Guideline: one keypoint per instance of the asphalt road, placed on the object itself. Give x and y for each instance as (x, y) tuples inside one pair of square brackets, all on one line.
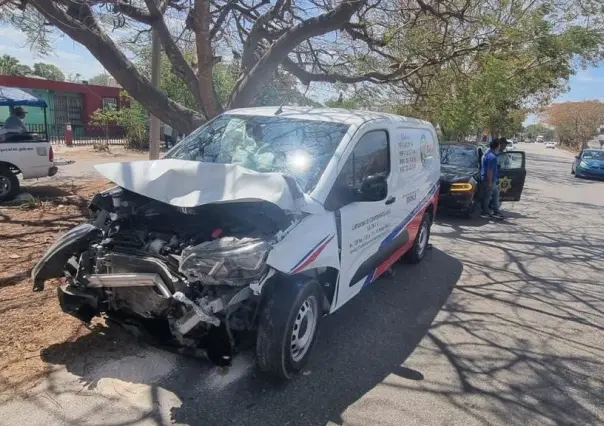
[(502, 324)]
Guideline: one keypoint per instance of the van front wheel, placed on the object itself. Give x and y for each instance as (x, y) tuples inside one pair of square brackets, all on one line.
[(9, 184), (288, 325)]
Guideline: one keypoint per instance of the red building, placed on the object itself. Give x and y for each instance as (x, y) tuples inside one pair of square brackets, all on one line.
[(67, 102)]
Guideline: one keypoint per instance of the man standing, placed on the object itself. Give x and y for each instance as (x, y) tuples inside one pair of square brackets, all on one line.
[(489, 173), (15, 122)]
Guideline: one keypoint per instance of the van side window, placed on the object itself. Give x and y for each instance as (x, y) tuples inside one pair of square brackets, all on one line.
[(370, 156)]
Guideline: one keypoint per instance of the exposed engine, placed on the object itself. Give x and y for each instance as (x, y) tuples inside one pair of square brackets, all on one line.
[(194, 273)]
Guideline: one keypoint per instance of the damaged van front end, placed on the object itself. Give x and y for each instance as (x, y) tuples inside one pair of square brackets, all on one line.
[(185, 271)]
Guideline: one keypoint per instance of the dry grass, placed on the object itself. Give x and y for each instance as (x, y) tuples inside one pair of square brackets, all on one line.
[(32, 321)]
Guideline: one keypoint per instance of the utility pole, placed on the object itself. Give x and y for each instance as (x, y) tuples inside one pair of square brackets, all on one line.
[(154, 126)]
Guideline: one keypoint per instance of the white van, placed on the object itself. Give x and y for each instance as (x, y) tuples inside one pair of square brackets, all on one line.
[(262, 220)]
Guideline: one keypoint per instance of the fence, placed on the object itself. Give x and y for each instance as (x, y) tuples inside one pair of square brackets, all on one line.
[(82, 134)]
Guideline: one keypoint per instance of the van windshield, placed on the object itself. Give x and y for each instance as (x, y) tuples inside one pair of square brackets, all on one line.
[(299, 148)]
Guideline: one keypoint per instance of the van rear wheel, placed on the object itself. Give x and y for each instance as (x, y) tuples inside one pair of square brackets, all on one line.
[(417, 252), (9, 184)]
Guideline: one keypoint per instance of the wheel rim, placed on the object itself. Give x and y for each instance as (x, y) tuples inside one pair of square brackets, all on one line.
[(422, 239), (304, 328), (4, 185)]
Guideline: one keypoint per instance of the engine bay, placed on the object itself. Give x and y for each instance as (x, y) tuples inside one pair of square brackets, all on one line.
[(195, 273)]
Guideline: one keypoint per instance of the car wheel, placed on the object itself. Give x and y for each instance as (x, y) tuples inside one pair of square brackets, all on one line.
[(470, 212), (288, 324), (9, 185), (420, 245)]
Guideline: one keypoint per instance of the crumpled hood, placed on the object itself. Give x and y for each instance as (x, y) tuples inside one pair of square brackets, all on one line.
[(450, 173), (182, 183)]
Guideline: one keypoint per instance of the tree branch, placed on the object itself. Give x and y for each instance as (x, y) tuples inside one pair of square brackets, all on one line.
[(174, 54), (249, 85), (205, 58), (78, 22)]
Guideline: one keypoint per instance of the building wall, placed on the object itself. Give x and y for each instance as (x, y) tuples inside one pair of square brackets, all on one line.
[(91, 96)]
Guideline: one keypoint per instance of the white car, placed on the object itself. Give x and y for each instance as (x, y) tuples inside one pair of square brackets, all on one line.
[(25, 154), (550, 145), (262, 220)]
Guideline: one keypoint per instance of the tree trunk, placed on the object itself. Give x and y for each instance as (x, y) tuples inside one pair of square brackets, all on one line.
[(80, 24), (205, 58)]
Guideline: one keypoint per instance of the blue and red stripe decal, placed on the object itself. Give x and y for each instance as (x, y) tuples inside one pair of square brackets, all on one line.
[(421, 206), (312, 255)]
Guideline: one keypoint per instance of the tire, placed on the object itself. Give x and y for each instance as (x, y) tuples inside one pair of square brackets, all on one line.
[(417, 252), (9, 185), (470, 212), (291, 308)]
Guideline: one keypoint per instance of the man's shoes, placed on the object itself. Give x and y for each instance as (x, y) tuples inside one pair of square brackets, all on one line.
[(485, 215), (498, 215)]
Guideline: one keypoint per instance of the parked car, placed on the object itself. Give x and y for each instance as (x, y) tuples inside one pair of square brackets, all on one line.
[(461, 187), (262, 220), (22, 153), (589, 163), (550, 145)]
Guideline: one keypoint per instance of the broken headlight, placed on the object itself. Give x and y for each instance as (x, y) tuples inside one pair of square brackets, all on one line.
[(228, 261)]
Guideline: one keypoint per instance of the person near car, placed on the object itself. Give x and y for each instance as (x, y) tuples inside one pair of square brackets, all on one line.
[(15, 122), (489, 174)]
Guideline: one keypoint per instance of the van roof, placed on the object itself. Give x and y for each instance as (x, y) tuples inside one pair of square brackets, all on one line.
[(336, 115)]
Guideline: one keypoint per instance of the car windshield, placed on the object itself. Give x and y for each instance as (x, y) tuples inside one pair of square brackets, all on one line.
[(299, 148), (459, 155), (593, 155)]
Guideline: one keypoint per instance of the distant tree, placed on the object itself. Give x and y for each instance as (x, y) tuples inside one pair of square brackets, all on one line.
[(534, 130), (100, 79), (48, 71), (9, 65), (576, 122), (74, 77)]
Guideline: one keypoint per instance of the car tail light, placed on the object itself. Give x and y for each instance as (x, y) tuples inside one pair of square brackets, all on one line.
[(461, 187), (51, 155)]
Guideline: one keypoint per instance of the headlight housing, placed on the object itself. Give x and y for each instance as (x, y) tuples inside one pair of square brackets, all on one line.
[(583, 164), (462, 187), (225, 261)]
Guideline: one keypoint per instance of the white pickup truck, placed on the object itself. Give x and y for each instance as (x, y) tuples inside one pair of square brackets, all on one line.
[(24, 154)]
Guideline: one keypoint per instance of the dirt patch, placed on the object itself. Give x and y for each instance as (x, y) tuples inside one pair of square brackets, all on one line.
[(31, 321), (89, 153)]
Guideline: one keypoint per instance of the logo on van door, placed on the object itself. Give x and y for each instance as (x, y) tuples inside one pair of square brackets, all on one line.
[(426, 150)]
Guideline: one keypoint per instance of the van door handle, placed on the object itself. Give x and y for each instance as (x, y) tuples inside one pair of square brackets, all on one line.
[(390, 200)]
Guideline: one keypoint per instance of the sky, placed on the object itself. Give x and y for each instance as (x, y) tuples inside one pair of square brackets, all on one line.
[(68, 55), (72, 58)]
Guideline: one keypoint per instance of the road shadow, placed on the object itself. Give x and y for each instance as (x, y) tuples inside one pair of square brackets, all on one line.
[(527, 320), (47, 191), (367, 340)]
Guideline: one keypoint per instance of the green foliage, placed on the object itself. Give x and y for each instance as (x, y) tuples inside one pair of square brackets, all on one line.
[(131, 116), (9, 65), (109, 115), (100, 79), (48, 71), (533, 130)]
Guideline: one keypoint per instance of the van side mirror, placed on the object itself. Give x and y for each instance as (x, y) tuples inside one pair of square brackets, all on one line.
[(578, 157), (374, 188)]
